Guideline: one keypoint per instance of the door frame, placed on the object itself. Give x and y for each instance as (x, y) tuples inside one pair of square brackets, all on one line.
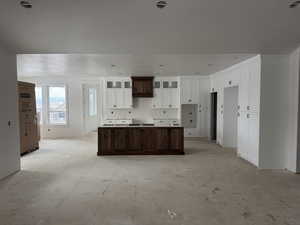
[(85, 104)]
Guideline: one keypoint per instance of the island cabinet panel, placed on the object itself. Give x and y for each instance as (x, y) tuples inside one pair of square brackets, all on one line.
[(105, 142), (120, 137), (176, 139), (140, 140), (135, 139), (162, 139), (148, 137)]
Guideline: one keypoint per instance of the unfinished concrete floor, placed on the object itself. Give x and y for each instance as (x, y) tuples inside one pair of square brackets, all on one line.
[(65, 183)]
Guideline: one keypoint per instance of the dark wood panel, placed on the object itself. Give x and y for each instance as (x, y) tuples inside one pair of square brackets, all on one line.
[(162, 138), (142, 86), (105, 141), (120, 139), (176, 139), (139, 141), (135, 139), (149, 139)]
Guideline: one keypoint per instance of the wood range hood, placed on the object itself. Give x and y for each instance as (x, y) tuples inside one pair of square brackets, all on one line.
[(142, 87)]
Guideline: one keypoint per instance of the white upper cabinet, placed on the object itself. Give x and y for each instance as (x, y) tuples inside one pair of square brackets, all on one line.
[(189, 90), (118, 93), (166, 93)]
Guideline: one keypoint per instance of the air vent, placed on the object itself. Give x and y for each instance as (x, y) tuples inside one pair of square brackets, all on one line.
[(26, 4), (295, 4), (161, 4)]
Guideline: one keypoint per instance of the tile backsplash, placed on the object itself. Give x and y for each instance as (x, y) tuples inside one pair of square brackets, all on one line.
[(141, 112)]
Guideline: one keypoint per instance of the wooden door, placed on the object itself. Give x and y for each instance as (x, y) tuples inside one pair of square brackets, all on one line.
[(135, 140)]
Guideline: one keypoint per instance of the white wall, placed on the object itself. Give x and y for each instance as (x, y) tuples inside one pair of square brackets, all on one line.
[(230, 117), (9, 136), (75, 126), (291, 133)]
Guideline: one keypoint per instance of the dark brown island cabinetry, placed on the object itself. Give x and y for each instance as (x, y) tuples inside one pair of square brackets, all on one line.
[(140, 141)]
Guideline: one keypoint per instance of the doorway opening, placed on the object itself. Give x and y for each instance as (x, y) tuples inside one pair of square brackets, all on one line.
[(90, 107), (230, 127), (213, 116)]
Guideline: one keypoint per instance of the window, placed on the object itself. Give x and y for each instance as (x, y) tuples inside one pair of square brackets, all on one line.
[(39, 103), (92, 101), (57, 106)]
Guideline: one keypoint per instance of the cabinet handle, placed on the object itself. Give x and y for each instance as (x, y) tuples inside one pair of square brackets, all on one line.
[(248, 107), (238, 107), (230, 82), (170, 106), (238, 114), (190, 100), (248, 115)]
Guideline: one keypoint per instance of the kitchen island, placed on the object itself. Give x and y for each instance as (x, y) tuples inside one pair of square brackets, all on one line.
[(140, 140)]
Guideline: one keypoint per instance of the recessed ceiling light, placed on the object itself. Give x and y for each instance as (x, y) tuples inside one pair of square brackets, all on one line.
[(26, 4), (295, 4), (161, 4)]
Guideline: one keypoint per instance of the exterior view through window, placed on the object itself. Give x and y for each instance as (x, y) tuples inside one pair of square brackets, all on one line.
[(57, 105), (39, 103), (92, 102)]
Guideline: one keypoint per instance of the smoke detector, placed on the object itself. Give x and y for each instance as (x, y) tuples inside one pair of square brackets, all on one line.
[(295, 4), (161, 4)]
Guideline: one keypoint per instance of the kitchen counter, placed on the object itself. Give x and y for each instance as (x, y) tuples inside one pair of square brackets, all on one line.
[(140, 140), (135, 126)]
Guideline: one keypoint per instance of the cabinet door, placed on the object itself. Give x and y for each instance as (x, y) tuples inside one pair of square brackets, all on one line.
[(149, 139), (135, 139), (110, 100), (186, 91), (120, 139), (253, 137), (243, 89), (174, 98), (127, 98), (243, 133), (162, 139), (194, 96), (105, 142), (176, 139), (157, 100), (166, 98), (254, 89)]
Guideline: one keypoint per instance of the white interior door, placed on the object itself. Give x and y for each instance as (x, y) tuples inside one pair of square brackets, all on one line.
[(90, 105)]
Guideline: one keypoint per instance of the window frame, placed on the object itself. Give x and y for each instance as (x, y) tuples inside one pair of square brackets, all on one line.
[(47, 105), (95, 101), (41, 121)]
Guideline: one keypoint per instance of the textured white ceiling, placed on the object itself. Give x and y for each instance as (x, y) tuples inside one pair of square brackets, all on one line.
[(138, 27), (124, 65)]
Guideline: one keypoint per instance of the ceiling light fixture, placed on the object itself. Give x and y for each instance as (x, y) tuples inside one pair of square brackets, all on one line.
[(295, 4), (26, 4), (161, 4)]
